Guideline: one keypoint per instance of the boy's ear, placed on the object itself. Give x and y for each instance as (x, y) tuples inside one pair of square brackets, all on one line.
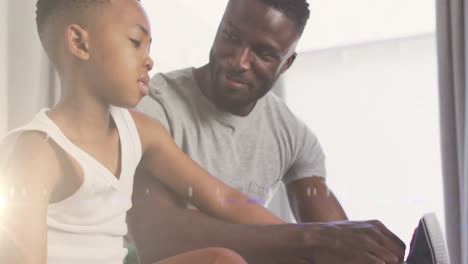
[(78, 41)]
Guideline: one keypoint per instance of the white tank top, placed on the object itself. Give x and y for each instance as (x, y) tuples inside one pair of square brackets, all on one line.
[(88, 227)]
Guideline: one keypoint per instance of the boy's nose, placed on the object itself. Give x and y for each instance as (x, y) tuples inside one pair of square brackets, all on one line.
[(149, 63)]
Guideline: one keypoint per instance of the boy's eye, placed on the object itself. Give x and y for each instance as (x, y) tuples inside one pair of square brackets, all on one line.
[(135, 43)]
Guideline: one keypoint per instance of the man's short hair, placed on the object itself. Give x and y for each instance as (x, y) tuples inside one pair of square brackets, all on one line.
[(296, 10)]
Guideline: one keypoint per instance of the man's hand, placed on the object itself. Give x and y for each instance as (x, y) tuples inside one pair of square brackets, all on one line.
[(353, 243)]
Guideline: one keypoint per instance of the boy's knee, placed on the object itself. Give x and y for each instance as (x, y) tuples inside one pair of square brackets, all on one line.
[(227, 256)]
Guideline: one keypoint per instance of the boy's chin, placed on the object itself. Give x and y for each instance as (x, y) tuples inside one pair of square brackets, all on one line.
[(129, 103)]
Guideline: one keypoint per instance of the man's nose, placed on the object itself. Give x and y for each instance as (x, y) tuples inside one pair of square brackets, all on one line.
[(242, 60)]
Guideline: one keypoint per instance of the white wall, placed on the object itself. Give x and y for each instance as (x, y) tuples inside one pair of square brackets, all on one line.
[(374, 108), (182, 37), (332, 23), (3, 67), (29, 71), (336, 23)]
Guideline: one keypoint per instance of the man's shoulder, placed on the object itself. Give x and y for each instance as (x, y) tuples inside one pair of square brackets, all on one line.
[(280, 116), (171, 82), (277, 108), (273, 100), (167, 89), (171, 97)]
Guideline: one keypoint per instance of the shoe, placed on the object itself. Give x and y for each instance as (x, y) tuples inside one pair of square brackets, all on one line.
[(428, 243)]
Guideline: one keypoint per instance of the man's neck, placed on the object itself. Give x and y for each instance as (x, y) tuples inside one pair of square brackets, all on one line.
[(203, 79)]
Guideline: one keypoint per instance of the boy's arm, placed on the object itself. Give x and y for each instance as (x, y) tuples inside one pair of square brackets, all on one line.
[(26, 181), (161, 226), (163, 159), (356, 242)]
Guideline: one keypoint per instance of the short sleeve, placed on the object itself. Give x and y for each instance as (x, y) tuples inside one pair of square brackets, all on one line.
[(154, 104), (309, 159)]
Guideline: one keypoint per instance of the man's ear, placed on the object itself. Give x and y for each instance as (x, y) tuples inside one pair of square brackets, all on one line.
[(78, 41), (289, 62)]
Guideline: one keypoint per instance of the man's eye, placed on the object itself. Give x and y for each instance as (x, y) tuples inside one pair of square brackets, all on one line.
[(135, 43), (230, 36), (267, 56)]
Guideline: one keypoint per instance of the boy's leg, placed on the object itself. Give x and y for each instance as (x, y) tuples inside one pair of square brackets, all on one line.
[(206, 256)]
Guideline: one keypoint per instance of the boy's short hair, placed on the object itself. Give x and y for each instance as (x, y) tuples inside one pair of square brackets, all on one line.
[(50, 9), (51, 12)]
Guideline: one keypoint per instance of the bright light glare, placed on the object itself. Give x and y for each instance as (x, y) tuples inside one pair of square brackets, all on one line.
[(2, 207), (3, 202)]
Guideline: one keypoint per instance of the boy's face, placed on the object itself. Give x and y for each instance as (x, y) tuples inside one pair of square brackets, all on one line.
[(254, 44), (119, 60)]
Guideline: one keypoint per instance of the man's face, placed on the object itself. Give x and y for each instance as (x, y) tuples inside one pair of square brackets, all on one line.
[(254, 44)]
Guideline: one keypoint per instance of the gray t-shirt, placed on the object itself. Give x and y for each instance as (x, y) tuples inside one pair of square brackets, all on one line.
[(252, 153)]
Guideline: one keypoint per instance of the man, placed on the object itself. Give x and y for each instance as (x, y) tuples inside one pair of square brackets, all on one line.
[(223, 117)]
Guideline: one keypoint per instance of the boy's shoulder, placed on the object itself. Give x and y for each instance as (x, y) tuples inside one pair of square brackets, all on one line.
[(24, 144), (151, 131), (30, 154)]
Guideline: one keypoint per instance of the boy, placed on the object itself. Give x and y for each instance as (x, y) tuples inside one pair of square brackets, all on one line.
[(69, 173)]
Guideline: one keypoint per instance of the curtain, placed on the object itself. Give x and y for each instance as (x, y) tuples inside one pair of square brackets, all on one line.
[(31, 82), (451, 40)]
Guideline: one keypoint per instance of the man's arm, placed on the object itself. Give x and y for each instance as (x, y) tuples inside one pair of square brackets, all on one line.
[(312, 201), (165, 161), (162, 227)]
